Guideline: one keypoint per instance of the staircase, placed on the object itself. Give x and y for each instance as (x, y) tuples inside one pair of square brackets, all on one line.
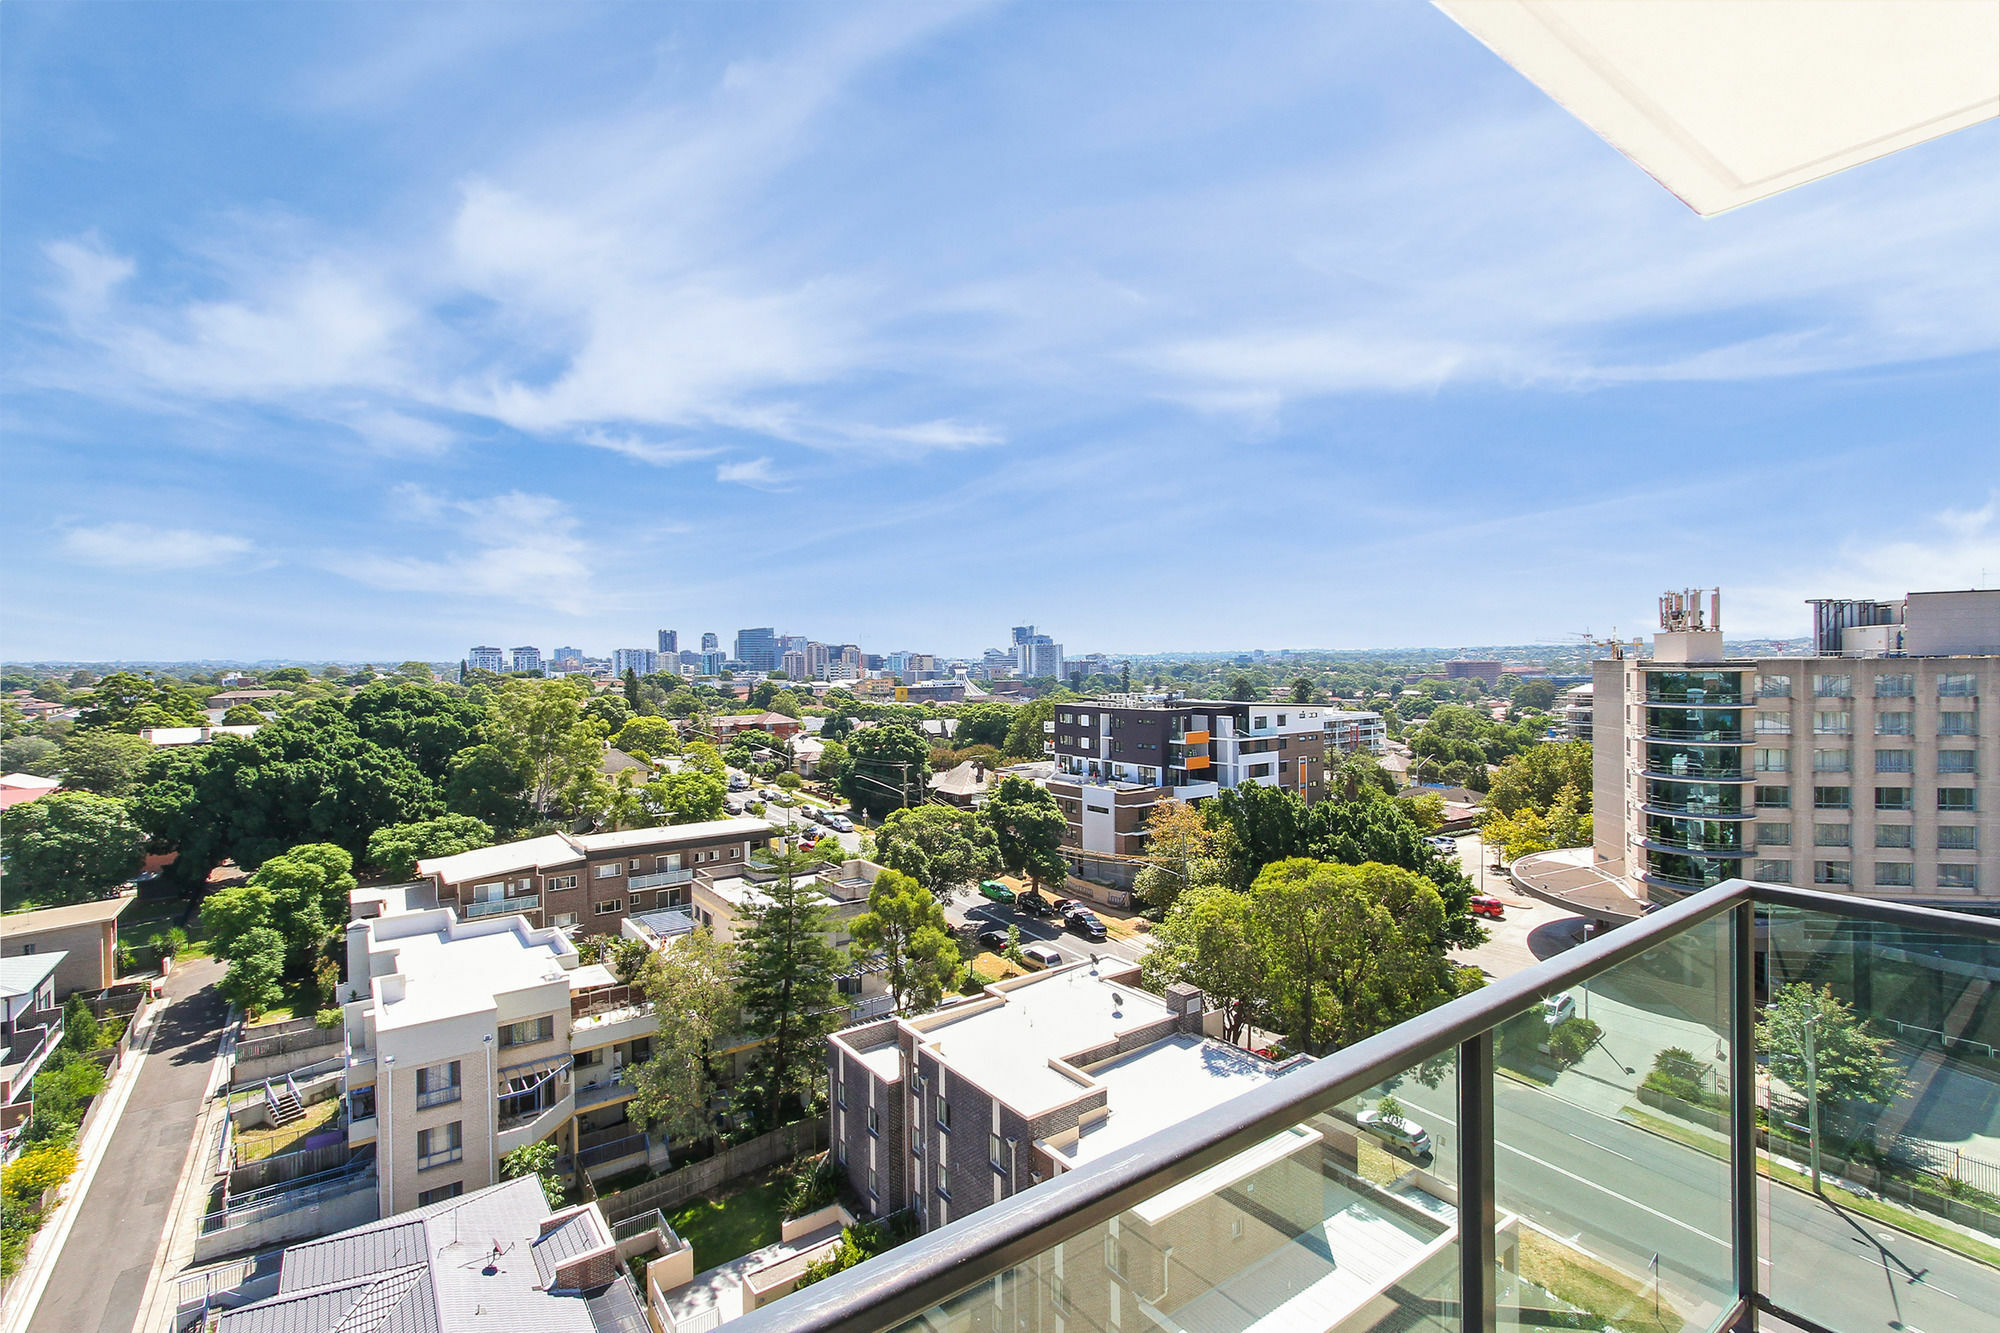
[(283, 1103)]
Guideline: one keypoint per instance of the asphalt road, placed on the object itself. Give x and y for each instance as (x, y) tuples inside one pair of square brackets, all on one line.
[(971, 909), (1626, 1195)]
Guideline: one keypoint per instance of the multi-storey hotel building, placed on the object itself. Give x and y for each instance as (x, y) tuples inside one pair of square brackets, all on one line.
[(1861, 767)]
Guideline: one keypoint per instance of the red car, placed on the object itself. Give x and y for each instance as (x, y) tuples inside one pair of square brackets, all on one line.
[(1486, 905)]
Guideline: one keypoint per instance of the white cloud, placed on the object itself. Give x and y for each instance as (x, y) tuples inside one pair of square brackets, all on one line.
[(392, 432), (756, 472), (515, 547), (141, 547), (644, 450), (87, 275)]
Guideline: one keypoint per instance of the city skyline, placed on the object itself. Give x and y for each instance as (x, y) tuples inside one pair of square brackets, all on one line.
[(286, 379)]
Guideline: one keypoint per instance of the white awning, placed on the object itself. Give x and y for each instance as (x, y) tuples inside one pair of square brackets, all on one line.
[(1729, 101)]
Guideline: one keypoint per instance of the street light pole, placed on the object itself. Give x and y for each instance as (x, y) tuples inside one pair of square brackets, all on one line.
[(1812, 1096)]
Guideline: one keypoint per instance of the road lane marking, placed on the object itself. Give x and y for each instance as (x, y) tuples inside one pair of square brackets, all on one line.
[(1600, 1147)]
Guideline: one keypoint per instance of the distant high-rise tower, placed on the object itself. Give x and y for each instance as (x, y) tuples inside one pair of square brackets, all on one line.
[(757, 649), (1023, 634), (486, 658), (670, 641), (527, 659), (643, 661), (710, 644)]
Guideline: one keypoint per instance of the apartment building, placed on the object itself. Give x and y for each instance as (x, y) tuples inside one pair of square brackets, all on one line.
[(727, 903), (1119, 755), (669, 643), (525, 659), (1354, 731), (640, 661), (1860, 767), (486, 657), (757, 649), (1575, 706), (949, 1112), (590, 882)]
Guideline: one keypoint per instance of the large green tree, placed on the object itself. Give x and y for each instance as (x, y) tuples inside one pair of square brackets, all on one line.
[(127, 702), (1809, 1026), (889, 768), (1534, 778), (425, 724), (1028, 827), (905, 926), (255, 979), (1211, 939), (788, 976), (941, 847), (983, 723), (687, 797), (648, 737), (110, 763), (396, 849), (69, 847), (541, 726), (487, 784), (693, 993)]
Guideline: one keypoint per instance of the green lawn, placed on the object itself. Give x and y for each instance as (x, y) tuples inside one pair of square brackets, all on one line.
[(732, 1226)]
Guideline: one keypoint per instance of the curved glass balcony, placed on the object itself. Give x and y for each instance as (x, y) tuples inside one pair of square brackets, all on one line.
[(1679, 870), (1685, 760), (1694, 688), (1707, 726), (1707, 800), (1708, 836)]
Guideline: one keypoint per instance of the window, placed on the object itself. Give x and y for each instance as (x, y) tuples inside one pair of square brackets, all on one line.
[(1774, 724), (1831, 798), (1833, 722), (1832, 835), (944, 1181), (1833, 872), (1083, 719), (1895, 874), (557, 883), (1895, 724), (1894, 761), (1773, 761), (606, 871), (1773, 798), (1958, 798), (995, 1152), (1893, 835), (1958, 838), (1774, 687), (437, 1084), (943, 1113), (1895, 685), (1895, 798), (1830, 761), (528, 1033), (563, 919), (1955, 685), (1833, 687), (1953, 876), (1774, 835), (425, 1198), (1961, 723), (840, 1149), (1775, 872), (440, 1146), (871, 1183), (1069, 717), (840, 1095), (608, 906), (874, 1121), (1957, 761)]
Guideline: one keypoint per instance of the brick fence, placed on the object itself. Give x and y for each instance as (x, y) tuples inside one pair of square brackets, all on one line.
[(670, 1191)]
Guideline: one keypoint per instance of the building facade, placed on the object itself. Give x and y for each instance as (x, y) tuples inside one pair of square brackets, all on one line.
[(757, 649), (642, 661), (670, 642), (1861, 769), (486, 657)]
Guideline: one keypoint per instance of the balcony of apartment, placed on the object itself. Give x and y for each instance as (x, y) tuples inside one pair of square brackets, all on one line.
[(661, 879), (508, 906), (532, 1102), (1703, 726), (1720, 801), (1695, 689), (1684, 761), (609, 1019), (30, 1039), (1622, 1190)]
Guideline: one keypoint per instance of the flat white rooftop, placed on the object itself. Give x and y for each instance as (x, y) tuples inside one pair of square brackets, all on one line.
[(507, 858), (1161, 1085), (445, 977)]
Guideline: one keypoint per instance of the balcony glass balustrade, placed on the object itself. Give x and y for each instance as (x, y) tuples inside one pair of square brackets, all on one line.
[(1695, 835), (1707, 726), (1694, 688), (1679, 759), (1601, 1174), (1709, 800), (525, 902)]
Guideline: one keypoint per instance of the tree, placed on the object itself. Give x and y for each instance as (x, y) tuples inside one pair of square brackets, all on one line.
[(1209, 940), (648, 737), (126, 702), (789, 974), (426, 725), (701, 757), (308, 886), (833, 761), (252, 982), (889, 768), (229, 915), (69, 846), (1532, 779), (485, 784), (941, 847), (631, 690), (538, 1160), (1024, 733), (905, 925), (28, 754), (110, 763), (1180, 855), (396, 848), (1534, 694), (983, 723), (1425, 809), (1241, 688), (688, 797), (692, 990), (1029, 827), (1815, 1038), (243, 715), (542, 728), (1564, 824), (609, 710), (1303, 691)]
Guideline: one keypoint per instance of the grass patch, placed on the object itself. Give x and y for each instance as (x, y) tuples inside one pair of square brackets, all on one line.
[(1124, 927), (991, 967), (1905, 1219), (1593, 1286), (254, 1145), (301, 1001), (730, 1227), (1376, 1164)]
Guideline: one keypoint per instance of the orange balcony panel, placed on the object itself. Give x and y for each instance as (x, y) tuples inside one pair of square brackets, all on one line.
[(1197, 761), (1195, 738)]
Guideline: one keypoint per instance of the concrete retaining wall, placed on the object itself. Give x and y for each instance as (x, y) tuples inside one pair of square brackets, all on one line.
[(266, 1227)]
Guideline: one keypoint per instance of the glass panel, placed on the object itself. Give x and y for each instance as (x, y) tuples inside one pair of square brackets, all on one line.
[(1611, 1159), (1697, 688), (1708, 725), (1682, 760), (1920, 1146), (1348, 1221)]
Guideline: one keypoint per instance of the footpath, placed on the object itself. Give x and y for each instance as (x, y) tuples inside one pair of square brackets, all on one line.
[(88, 1270)]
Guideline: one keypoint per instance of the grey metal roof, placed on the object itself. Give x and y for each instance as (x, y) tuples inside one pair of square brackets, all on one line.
[(614, 1309), (400, 1301), (364, 1251), (579, 1234), (20, 974)]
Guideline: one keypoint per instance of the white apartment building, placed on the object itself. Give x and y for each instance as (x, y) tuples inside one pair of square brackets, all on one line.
[(526, 659), (642, 661), (486, 657), (1860, 767)]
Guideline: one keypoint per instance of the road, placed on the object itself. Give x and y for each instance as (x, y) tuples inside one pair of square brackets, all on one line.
[(1626, 1195), (971, 909)]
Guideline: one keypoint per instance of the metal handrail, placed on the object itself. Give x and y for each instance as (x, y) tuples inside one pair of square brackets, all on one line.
[(902, 1285)]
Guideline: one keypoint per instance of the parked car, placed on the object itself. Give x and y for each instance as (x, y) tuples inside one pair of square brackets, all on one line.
[(1442, 844), (1397, 1132), (1064, 906), (1085, 924), (1558, 1009), (998, 892), (840, 823), (737, 782), (1485, 904), (1034, 904), (996, 940), (1038, 956)]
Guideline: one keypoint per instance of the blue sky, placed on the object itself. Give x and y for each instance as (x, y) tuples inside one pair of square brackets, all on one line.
[(375, 331)]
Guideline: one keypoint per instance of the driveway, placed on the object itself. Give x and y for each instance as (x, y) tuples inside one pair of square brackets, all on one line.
[(100, 1276)]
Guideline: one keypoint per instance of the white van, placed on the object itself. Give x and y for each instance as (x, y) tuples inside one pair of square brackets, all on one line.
[(1038, 956)]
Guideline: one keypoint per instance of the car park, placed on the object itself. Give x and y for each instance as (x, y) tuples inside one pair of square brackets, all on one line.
[(1397, 1132), (996, 940), (1038, 956), (1485, 904), (994, 889), (1085, 924)]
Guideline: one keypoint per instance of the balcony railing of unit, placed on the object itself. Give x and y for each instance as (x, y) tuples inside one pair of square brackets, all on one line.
[(609, 1089), (479, 907), (1710, 737), (1684, 1217), (660, 879)]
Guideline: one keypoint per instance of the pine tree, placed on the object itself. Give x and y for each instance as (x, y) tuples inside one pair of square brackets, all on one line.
[(788, 977)]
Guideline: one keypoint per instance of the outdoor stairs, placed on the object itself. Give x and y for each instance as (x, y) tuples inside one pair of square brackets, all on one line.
[(284, 1106)]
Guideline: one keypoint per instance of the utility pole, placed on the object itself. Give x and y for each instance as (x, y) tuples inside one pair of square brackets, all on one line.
[(1812, 1096)]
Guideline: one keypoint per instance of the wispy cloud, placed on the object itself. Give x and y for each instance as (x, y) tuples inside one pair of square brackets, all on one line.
[(645, 451), (517, 547), (757, 472), (142, 547)]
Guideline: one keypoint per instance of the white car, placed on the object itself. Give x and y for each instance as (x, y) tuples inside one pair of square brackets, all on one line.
[(1397, 1132), (1038, 956), (1558, 1009), (839, 823)]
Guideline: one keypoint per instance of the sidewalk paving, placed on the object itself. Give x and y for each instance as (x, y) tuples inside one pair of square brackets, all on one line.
[(99, 1276)]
